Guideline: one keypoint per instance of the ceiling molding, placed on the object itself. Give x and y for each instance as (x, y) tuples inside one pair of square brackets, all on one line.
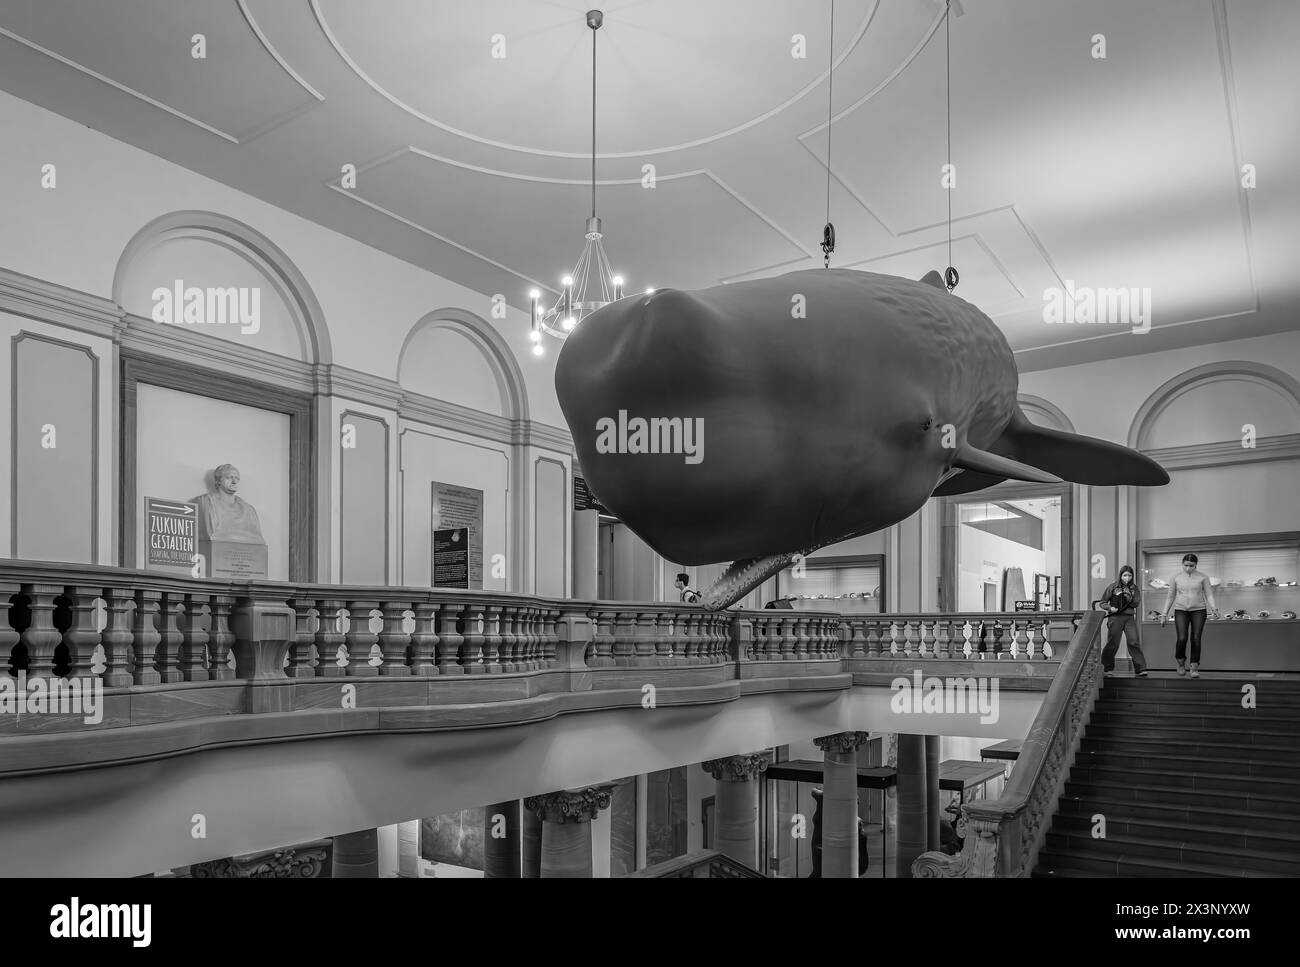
[(352, 384), (640, 153), (275, 54), (121, 87)]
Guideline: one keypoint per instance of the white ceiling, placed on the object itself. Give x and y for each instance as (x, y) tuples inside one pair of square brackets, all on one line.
[(1115, 172)]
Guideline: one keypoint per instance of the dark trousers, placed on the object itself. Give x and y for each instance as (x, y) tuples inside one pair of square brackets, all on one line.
[(1186, 621), (1125, 625)]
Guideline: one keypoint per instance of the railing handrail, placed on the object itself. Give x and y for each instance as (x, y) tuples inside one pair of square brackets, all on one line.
[(995, 842)]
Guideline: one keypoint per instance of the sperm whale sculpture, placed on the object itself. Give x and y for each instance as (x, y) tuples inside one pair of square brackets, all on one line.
[(758, 421)]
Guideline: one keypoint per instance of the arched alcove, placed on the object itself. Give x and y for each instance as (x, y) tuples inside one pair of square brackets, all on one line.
[(1211, 404), (233, 266), (453, 355)]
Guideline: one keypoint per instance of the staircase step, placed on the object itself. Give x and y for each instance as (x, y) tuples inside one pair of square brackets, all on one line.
[(1242, 741), (1172, 853), (1252, 822), (1126, 866), (1174, 723), (1161, 830), (1178, 746), (1136, 790), (1226, 709), (1267, 690), (1162, 764), (1201, 781)]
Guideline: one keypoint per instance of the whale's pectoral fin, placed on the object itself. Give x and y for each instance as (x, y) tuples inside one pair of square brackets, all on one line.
[(935, 279), (965, 482), (973, 459), (1081, 459), (741, 577)]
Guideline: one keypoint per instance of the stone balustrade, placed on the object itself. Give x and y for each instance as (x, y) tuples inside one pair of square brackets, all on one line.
[(170, 649), (1003, 836)]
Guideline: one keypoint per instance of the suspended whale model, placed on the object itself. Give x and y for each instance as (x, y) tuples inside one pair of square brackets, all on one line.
[(758, 421)]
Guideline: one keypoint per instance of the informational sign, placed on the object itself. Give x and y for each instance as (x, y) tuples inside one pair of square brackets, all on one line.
[(459, 508), (1026, 605), (582, 496), (451, 558), (171, 534)]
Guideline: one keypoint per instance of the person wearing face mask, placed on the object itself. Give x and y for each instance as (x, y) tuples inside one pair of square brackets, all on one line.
[(1190, 593), (1121, 601)]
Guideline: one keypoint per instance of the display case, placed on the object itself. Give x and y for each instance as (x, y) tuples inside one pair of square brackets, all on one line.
[(848, 585), (1255, 582)]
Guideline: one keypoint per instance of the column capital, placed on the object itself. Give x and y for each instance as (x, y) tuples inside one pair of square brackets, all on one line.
[(570, 805), (841, 741), (737, 768)]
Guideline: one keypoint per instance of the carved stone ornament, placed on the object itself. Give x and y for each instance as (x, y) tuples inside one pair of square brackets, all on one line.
[(737, 768), (293, 863), (977, 860), (841, 741), (570, 805)]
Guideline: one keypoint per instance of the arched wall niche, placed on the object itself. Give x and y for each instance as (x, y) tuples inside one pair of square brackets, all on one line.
[(174, 245), (450, 353), (1212, 404)]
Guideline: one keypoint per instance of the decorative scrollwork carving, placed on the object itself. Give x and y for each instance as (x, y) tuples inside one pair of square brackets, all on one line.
[(570, 805), (737, 768), (841, 741), (289, 863)]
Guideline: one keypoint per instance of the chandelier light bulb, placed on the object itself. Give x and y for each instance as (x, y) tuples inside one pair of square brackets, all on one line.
[(650, 291), (535, 335), (570, 323), (538, 349), (618, 280), (534, 294), (567, 280)]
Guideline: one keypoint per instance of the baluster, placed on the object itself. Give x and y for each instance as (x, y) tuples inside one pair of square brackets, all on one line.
[(393, 640), (424, 640), (116, 637), (1020, 645), (8, 636), (552, 637), (624, 632), (605, 639), (943, 639), (194, 639), (643, 642), (492, 639), (303, 638), (449, 640), (509, 648), (329, 637), (787, 636), (528, 617), (665, 636), (82, 637), (967, 635), (927, 629), (856, 646), (359, 639), (1043, 648), (40, 636), (220, 639), (169, 645), (472, 644), (758, 648), (997, 638), (145, 638), (871, 626)]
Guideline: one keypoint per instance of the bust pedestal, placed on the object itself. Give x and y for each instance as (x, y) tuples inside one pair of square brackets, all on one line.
[(234, 559)]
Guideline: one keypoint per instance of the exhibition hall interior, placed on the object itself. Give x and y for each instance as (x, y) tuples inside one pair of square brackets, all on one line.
[(779, 438)]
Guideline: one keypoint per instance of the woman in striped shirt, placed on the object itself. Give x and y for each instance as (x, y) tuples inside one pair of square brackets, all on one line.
[(1190, 593)]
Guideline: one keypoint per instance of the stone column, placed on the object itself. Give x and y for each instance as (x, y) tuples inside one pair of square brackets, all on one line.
[(356, 855), (932, 808), (736, 804), (911, 836), (530, 835), (566, 829), (840, 803), (408, 849), (501, 852)]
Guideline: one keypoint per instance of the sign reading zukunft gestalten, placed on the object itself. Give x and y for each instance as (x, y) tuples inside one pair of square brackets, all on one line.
[(457, 508), (171, 534)]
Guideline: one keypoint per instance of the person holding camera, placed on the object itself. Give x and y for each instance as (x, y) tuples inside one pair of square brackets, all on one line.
[(1121, 601)]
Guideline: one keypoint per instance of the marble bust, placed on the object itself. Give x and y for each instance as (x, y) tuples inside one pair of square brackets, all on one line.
[(225, 517)]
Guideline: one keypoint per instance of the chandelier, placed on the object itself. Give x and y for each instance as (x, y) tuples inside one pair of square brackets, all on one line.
[(592, 283)]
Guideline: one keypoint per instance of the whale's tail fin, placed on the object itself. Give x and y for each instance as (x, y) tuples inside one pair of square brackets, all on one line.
[(1070, 456)]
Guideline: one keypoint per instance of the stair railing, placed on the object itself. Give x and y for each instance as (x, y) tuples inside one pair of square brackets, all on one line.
[(1003, 836)]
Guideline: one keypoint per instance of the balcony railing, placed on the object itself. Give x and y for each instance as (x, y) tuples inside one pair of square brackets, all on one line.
[(164, 649), (704, 864)]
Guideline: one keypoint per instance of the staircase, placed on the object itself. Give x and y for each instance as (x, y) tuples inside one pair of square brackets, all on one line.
[(1190, 783)]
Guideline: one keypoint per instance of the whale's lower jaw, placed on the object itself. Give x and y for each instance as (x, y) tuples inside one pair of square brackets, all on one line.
[(741, 577)]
